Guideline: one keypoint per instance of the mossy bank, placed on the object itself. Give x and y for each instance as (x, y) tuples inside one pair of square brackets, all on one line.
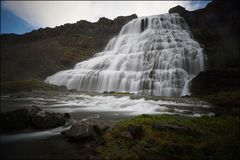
[(173, 137)]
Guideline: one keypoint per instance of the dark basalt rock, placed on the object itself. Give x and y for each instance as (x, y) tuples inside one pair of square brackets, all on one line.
[(213, 81), (90, 129), (104, 20), (45, 120), (16, 119), (33, 111), (216, 27), (67, 115), (178, 9), (80, 131), (25, 117)]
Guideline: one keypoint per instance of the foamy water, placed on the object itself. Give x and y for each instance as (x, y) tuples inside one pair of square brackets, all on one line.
[(83, 107), (124, 105), (153, 55)]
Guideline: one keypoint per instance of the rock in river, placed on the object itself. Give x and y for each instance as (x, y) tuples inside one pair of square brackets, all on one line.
[(22, 118), (44, 119), (16, 119), (90, 129)]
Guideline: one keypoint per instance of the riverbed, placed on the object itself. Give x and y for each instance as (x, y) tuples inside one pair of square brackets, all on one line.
[(45, 144)]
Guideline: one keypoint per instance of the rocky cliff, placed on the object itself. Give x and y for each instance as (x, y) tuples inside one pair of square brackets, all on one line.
[(213, 81), (43, 52), (216, 27)]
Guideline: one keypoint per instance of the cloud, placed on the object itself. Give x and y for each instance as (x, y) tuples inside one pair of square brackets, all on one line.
[(55, 13)]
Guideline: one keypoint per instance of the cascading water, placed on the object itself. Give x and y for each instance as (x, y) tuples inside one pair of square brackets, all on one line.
[(154, 55)]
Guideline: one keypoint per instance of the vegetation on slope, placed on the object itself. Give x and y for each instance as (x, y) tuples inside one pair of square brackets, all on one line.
[(173, 137), (43, 52), (26, 85)]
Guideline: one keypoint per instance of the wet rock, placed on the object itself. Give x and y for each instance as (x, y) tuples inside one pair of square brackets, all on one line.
[(44, 119), (33, 116), (67, 115), (33, 111), (16, 119), (90, 129), (80, 131), (99, 126)]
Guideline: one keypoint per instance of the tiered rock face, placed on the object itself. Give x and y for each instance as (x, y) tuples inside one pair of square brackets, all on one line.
[(45, 51), (153, 55)]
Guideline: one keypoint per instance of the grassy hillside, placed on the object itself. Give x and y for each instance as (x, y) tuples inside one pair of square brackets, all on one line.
[(42, 52)]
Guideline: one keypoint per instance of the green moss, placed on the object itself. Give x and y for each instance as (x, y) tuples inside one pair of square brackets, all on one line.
[(27, 85), (198, 138), (60, 118), (73, 55)]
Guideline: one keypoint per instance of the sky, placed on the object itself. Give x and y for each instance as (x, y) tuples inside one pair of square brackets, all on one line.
[(24, 16)]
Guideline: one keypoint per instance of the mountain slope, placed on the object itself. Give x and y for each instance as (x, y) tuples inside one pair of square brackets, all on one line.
[(43, 52)]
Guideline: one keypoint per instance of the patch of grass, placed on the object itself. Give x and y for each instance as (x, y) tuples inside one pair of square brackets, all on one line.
[(229, 101), (193, 138), (26, 85), (73, 55), (224, 99)]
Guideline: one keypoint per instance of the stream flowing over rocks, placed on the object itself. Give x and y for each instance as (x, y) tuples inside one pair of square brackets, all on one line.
[(73, 120)]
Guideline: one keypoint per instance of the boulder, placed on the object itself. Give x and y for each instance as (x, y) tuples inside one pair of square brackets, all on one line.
[(90, 129), (67, 115), (44, 119), (33, 111), (16, 119), (24, 117), (99, 126), (80, 131)]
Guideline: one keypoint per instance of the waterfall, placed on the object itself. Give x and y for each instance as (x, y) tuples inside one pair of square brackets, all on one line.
[(153, 55)]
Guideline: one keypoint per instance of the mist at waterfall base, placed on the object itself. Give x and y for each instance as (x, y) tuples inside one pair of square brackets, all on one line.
[(154, 55)]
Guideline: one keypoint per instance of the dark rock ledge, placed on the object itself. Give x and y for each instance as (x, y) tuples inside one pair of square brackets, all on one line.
[(31, 117)]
